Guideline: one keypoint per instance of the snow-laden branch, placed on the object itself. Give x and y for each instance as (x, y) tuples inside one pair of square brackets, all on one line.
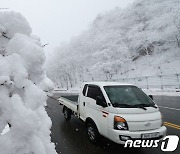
[(4, 35), (24, 87)]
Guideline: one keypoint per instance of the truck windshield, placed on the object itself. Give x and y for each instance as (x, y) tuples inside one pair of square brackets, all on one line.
[(128, 97)]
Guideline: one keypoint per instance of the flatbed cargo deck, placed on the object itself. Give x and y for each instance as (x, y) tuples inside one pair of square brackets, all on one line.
[(70, 101)]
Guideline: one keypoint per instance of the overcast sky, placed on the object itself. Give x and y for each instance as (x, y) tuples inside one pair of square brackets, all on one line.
[(56, 21)]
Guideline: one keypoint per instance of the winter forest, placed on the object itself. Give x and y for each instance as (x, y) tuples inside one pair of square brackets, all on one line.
[(141, 40)]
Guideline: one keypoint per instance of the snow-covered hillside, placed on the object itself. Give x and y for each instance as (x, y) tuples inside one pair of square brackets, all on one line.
[(141, 40), (23, 87)]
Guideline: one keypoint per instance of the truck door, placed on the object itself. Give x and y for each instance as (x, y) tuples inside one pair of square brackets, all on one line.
[(98, 113), (82, 102)]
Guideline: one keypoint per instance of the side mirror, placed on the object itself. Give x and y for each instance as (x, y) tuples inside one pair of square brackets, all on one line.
[(101, 101), (151, 96)]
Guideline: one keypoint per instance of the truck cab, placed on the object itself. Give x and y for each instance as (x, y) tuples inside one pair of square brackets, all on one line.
[(119, 112)]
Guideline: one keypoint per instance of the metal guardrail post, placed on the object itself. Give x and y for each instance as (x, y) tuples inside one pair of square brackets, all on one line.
[(178, 80), (161, 81), (147, 82)]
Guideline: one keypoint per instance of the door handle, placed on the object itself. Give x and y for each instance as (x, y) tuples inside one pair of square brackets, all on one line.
[(84, 104)]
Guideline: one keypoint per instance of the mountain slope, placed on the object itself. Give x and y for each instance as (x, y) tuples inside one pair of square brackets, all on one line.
[(141, 40)]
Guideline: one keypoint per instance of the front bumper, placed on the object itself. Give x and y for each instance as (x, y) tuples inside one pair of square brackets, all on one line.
[(115, 135)]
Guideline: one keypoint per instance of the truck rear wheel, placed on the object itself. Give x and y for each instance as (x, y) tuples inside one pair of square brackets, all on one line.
[(67, 113), (92, 133)]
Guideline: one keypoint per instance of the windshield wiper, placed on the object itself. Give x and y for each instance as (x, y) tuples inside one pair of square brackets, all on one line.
[(116, 104), (145, 105), (141, 106)]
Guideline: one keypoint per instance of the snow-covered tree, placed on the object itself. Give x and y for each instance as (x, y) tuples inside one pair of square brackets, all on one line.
[(23, 89)]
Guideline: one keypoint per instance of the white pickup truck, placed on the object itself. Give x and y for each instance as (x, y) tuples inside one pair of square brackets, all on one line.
[(117, 111)]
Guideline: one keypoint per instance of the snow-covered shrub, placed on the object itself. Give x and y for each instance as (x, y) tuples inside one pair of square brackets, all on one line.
[(23, 89)]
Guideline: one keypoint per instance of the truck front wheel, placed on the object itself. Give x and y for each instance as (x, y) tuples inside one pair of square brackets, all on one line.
[(67, 113), (92, 133)]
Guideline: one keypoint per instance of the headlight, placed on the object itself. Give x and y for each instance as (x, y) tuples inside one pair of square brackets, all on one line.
[(120, 123)]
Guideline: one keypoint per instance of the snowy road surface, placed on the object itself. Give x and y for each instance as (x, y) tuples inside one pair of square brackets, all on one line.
[(70, 137)]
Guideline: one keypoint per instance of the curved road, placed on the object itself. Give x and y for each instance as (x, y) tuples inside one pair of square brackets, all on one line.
[(70, 137)]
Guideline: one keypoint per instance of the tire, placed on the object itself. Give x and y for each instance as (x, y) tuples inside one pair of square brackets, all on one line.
[(92, 133), (67, 113)]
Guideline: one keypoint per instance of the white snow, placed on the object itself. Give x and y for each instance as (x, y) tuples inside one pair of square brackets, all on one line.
[(5, 130), (23, 89)]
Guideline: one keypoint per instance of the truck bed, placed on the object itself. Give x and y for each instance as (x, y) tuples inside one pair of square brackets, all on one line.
[(73, 98), (70, 101)]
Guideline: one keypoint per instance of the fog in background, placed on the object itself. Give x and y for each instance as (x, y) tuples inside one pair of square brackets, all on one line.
[(56, 21)]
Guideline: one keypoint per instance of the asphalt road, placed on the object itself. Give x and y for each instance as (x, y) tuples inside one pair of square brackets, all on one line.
[(70, 137)]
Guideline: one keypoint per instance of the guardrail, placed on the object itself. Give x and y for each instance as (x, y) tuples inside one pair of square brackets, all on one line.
[(171, 81)]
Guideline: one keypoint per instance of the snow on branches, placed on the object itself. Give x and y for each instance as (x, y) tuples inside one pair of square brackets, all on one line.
[(23, 89)]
